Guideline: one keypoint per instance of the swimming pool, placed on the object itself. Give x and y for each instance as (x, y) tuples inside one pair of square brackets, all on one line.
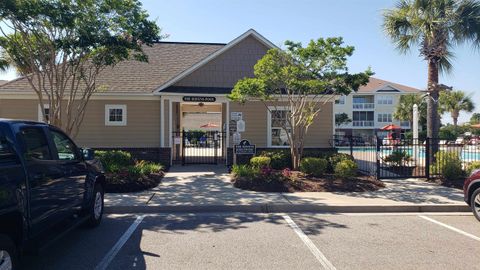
[(468, 154)]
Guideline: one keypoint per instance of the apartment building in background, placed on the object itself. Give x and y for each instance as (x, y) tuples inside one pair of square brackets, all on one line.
[(371, 108)]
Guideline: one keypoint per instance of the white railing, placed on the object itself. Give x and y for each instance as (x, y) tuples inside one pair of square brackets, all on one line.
[(363, 123), (363, 106)]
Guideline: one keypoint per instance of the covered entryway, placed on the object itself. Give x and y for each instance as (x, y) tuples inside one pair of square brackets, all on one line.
[(200, 134)]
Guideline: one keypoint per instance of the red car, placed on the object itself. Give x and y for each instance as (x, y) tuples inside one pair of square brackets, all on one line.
[(471, 192)]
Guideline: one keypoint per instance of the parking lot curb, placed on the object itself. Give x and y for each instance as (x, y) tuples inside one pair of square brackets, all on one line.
[(285, 208)]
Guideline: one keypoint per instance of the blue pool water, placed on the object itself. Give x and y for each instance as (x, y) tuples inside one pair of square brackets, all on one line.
[(465, 154)]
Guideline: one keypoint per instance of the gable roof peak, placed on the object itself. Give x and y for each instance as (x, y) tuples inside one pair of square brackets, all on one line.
[(251, 32)]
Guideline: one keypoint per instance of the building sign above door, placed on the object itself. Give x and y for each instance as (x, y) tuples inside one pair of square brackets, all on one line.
[(198, 99)]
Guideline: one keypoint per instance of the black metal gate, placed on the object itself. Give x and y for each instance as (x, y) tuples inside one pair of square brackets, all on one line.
[(199, 147), (407, 158), (402, 158), (386, 158)]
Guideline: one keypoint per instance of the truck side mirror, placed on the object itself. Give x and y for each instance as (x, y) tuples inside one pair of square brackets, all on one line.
[(88, 153)]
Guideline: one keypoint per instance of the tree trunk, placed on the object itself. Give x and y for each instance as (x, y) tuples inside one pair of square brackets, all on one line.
[(455, 115), (432, 109), (432, 102)]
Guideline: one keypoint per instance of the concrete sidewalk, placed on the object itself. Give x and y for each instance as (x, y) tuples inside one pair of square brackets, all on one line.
[(207, 189)]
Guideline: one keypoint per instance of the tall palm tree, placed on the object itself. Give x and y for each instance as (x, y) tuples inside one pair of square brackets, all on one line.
[(454, 102), (435, 26), (404, 109)]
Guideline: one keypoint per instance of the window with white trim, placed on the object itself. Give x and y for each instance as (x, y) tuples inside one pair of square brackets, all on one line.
[(277, 135), (384, 118), (385, 100), (340, 100), (115, 115), (46, 109)]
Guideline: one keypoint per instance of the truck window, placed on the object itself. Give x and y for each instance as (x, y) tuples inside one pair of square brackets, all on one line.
[(7, 155), (36, 144), (66, 149)]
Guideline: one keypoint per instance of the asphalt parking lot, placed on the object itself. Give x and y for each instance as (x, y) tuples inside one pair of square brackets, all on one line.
[(269, 241)]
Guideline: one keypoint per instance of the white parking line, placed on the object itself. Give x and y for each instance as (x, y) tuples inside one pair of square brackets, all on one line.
[(451, 228), (116, 248), (315, 251)]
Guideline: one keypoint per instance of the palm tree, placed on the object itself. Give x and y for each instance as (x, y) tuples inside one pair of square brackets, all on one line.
[(454, 102), (435, 26), (404, 109)]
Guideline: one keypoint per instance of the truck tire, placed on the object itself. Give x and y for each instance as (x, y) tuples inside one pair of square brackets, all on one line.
[(95, 209), (8, 253)]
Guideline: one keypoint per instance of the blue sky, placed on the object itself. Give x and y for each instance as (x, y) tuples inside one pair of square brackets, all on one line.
[(357, 21)]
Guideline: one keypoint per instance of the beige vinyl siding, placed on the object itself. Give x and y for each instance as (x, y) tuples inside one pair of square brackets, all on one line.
[(19, 109), (321, 131), (255, 115), (142, 129)]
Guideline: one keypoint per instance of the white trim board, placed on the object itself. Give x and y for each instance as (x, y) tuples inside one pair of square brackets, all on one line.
[(269, 125), (214, 55), (122, 107)]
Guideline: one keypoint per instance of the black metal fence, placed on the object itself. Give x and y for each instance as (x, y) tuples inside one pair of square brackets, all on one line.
[(405, 158), (199, 147)]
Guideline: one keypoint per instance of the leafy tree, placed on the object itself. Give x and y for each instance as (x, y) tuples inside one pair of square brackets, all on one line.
[(436, 26), (404, 109), (300, 79), (454, 102), (61, 47), (342, 119), (475, 119)]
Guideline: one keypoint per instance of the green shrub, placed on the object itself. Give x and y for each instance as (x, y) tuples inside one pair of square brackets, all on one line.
[(279, 159), (313, 166), (334, 159), (473, 166), (325, 154), (245, 171), (448, 165), (398, 158), (346, 169), (114, 161), (147, 167), (260, 162)]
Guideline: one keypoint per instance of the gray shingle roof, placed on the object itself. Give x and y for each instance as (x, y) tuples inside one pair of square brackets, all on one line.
[(166, 60), (375, 84)]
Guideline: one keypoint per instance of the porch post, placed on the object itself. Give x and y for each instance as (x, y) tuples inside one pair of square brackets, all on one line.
[(170, 133)]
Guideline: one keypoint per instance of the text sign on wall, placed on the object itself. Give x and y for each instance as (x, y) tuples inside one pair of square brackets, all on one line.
[(236, 116), (244, 148), (198, 99)]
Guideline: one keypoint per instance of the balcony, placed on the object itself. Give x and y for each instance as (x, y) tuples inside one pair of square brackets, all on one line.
[(363, 106), (363, 123), (405, 124)]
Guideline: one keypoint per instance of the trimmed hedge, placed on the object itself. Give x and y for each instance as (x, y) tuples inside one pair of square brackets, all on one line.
[(260, 162), (448, 165), (313, 166), (346, 169), (473, 166)]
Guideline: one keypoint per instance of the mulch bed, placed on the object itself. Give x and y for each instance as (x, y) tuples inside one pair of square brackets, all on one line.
[(118, 183), (457, 184), (299, 182)]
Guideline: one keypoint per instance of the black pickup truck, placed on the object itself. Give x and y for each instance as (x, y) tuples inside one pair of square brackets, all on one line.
[(46, 181)]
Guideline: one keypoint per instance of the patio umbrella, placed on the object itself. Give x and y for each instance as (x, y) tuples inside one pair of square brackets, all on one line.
[(209, 125), (391, 127)]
